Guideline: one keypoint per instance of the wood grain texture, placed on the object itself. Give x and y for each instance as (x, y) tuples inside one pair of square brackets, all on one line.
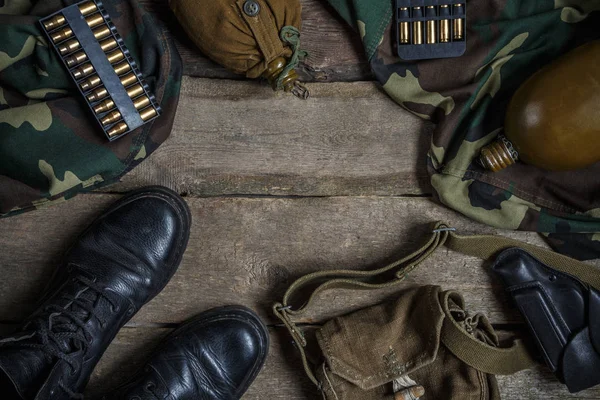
[(282, 376), (336, 52), (247, 251), (242, 138)]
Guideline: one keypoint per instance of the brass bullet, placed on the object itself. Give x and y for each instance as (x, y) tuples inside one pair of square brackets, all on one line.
[(97, 94), (83, 71), (90, 83), (101, 32), (404, 28), (95, 20), (69, 46), (117, 129), (431, 26), (417, 26), (55, 22), (87, 8), (129, 79), (457, 24), (444, 24), (115, 56), (148, 113), (135, 91), (122, 68), (108, 44), (111, 118), (106, 105), (141, 102), (76, 58), (61, 35)]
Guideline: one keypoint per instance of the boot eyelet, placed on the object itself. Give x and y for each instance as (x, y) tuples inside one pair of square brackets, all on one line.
[(115, 310), (552, 278), (130, 311)]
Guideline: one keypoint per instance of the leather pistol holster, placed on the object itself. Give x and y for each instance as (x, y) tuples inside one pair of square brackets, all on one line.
[(563, 315)]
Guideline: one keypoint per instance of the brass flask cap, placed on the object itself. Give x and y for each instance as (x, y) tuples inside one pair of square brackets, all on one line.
[(289, 82), (498, 155)]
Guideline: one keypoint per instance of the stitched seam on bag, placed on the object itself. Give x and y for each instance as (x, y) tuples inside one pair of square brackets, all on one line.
[(483, 387), (329, 381), (380, 33)]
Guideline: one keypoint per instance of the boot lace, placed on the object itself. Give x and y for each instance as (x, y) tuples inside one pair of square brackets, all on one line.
[(61, 330)]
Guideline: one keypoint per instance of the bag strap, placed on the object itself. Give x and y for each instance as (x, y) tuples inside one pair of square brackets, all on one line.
[(477, 354)]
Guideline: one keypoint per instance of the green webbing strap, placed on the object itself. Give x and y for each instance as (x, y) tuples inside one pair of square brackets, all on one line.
[(473, 352)]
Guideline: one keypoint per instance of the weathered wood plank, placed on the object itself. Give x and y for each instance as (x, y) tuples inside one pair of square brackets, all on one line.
[(241, 138), (249, 250), (336, 52), (283, 376)]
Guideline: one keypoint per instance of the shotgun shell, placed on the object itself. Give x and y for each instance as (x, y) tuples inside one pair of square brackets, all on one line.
[(431, 25), (76, 59), (404, 27), (55, 22), (83, 71), (148, 113), (90, 83), (122, 68), (444, 24), (115, 56), (417, 26), (117, 129)]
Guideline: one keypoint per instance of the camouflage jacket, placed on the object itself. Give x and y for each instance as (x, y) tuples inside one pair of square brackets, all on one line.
[(50, 145), (507, 41)]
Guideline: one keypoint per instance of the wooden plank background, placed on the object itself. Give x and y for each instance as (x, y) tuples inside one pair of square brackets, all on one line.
[(278, 188)]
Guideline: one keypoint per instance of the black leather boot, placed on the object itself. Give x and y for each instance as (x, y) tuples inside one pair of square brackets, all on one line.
[(124, 259), (216, 356)]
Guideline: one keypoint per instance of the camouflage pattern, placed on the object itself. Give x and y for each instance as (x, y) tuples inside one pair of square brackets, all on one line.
[(507, 41), (51, 147)]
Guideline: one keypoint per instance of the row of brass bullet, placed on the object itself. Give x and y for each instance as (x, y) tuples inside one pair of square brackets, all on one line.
[(146, 114), (113, 57), (72, 45), (59, 19), (126, 80), (435, 31), (79, 57), (65, 33)]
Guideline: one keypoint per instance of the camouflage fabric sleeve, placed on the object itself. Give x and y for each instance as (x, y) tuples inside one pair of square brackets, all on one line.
[(50, 146), (466, 97)]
